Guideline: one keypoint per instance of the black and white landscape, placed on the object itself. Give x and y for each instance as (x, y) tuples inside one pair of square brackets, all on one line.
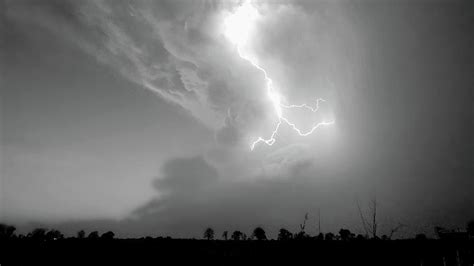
[(237, 131)]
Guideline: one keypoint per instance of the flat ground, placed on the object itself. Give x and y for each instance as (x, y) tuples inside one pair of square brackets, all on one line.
[(158, 251)]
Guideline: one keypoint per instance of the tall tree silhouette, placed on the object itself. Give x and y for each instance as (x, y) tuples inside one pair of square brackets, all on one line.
[(236, 235), (369, 227), (209, 234), (302, 234), (259, 234), (225, 235)]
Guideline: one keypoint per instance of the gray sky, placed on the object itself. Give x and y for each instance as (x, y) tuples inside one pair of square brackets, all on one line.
[(137, 116)]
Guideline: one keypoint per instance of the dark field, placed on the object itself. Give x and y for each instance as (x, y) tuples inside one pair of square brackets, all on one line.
[(162, 251)]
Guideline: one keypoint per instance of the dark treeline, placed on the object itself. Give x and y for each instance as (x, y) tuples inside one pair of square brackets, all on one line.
[(50, 246)]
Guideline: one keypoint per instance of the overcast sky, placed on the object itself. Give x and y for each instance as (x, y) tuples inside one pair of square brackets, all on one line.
[(137, 116)]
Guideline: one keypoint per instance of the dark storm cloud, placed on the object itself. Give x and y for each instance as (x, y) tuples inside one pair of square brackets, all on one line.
[(177, 49), (173, 48)]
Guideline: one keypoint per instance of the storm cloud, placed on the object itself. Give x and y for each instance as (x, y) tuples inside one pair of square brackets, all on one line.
[(80, 131), (178, 51)]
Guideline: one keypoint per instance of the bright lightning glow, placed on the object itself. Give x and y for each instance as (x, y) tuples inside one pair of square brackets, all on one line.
[(237, 28), (239, 24)]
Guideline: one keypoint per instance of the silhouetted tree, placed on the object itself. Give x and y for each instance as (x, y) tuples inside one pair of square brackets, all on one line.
[(6, 231), (244, 237), (225, 235), (302, 234), (303, 225), (369, 227), (329, 236), (81, 234), (360, 237), (345, 234), (284, 234), (93, 235), (385, 237), (236, 235), (54, 234), (108, 235), (259, 234), (38, 234), (209, 234)]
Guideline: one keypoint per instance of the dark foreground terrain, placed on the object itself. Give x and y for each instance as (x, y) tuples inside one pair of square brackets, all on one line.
[(162, 251)]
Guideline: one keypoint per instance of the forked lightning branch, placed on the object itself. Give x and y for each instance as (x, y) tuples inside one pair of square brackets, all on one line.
[(237, 27)]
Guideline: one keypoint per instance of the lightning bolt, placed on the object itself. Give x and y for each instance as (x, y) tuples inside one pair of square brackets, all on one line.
[(237, 27)]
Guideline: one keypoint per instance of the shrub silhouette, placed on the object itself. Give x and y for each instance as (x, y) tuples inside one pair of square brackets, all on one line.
[(81, 234), (284, 234), (209, 234), (54, 235), (455, 248), (93, 235), (237, 235), (329, 236), (301, 235), (6, 231), (108, 235), (38, 234), (346, 234), (259, 234)]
